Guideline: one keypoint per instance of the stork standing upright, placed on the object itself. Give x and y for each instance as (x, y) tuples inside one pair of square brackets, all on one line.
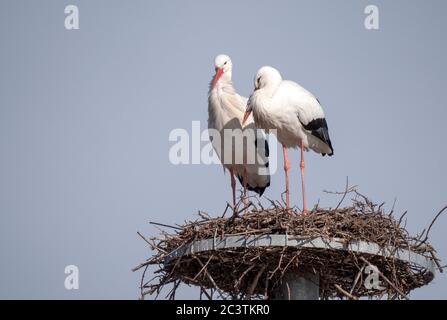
[(294, 112), (225, 111)]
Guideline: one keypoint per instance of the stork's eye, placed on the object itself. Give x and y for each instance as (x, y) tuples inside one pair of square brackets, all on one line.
[(225, 62)]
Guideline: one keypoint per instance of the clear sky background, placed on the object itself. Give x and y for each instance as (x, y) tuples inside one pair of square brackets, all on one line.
[(85, 117)]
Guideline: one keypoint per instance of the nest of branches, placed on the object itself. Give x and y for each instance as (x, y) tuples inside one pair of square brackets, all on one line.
[(257, 272)]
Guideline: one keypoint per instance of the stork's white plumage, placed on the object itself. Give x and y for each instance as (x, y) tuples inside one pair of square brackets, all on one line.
[(294, 112), (225, 111)]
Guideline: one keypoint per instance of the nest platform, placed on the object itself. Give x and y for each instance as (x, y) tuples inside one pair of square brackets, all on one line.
[(248, 254)]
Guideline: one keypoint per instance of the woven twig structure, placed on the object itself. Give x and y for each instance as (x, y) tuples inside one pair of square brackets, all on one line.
[(357, 251)]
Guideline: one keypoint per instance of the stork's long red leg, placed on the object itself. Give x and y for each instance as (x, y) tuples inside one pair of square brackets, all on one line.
[(245, 188), (302, 179), (286, 170), (233, 187)]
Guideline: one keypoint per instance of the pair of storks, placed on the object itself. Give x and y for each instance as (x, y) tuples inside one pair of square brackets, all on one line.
[(275, 104)]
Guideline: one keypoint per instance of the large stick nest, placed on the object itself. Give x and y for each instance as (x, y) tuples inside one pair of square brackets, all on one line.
[(257, 272)]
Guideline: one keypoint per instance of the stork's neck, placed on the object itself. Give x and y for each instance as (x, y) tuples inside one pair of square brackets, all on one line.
[(270, 89), (224, 84), (226, 76)]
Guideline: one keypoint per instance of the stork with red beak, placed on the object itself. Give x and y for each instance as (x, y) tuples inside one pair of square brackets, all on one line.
[(294, 112), (225, 112)]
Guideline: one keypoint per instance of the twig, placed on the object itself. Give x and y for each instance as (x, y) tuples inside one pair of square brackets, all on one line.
[(203, 268), (255, 282), (142, 281), (144, 238), (440, 268), (344, 194), (357, 278), (237, 284), (225, 211), (433, 222), (401, 217), (164, 225), (344, 292), (211, 278), (141, 265), (202, 290), (385, 278)]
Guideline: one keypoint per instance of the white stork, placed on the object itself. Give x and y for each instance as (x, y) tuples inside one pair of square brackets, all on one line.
[(225, 111), (294, 112)]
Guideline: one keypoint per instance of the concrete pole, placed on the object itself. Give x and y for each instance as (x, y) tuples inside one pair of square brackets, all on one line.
[(298, 287)]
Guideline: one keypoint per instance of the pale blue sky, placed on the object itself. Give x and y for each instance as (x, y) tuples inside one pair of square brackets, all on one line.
[(85, 118)]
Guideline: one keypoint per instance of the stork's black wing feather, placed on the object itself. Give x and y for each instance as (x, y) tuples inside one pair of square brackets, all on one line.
[(318, 128), (259, 189), (266, 147)]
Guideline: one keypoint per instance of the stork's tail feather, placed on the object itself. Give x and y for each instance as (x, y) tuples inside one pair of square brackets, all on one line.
[(318, 128), (258, 189), (329, 154)]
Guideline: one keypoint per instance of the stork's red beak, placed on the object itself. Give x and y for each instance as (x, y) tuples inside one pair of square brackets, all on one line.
[(217, 76), (246, 115)]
